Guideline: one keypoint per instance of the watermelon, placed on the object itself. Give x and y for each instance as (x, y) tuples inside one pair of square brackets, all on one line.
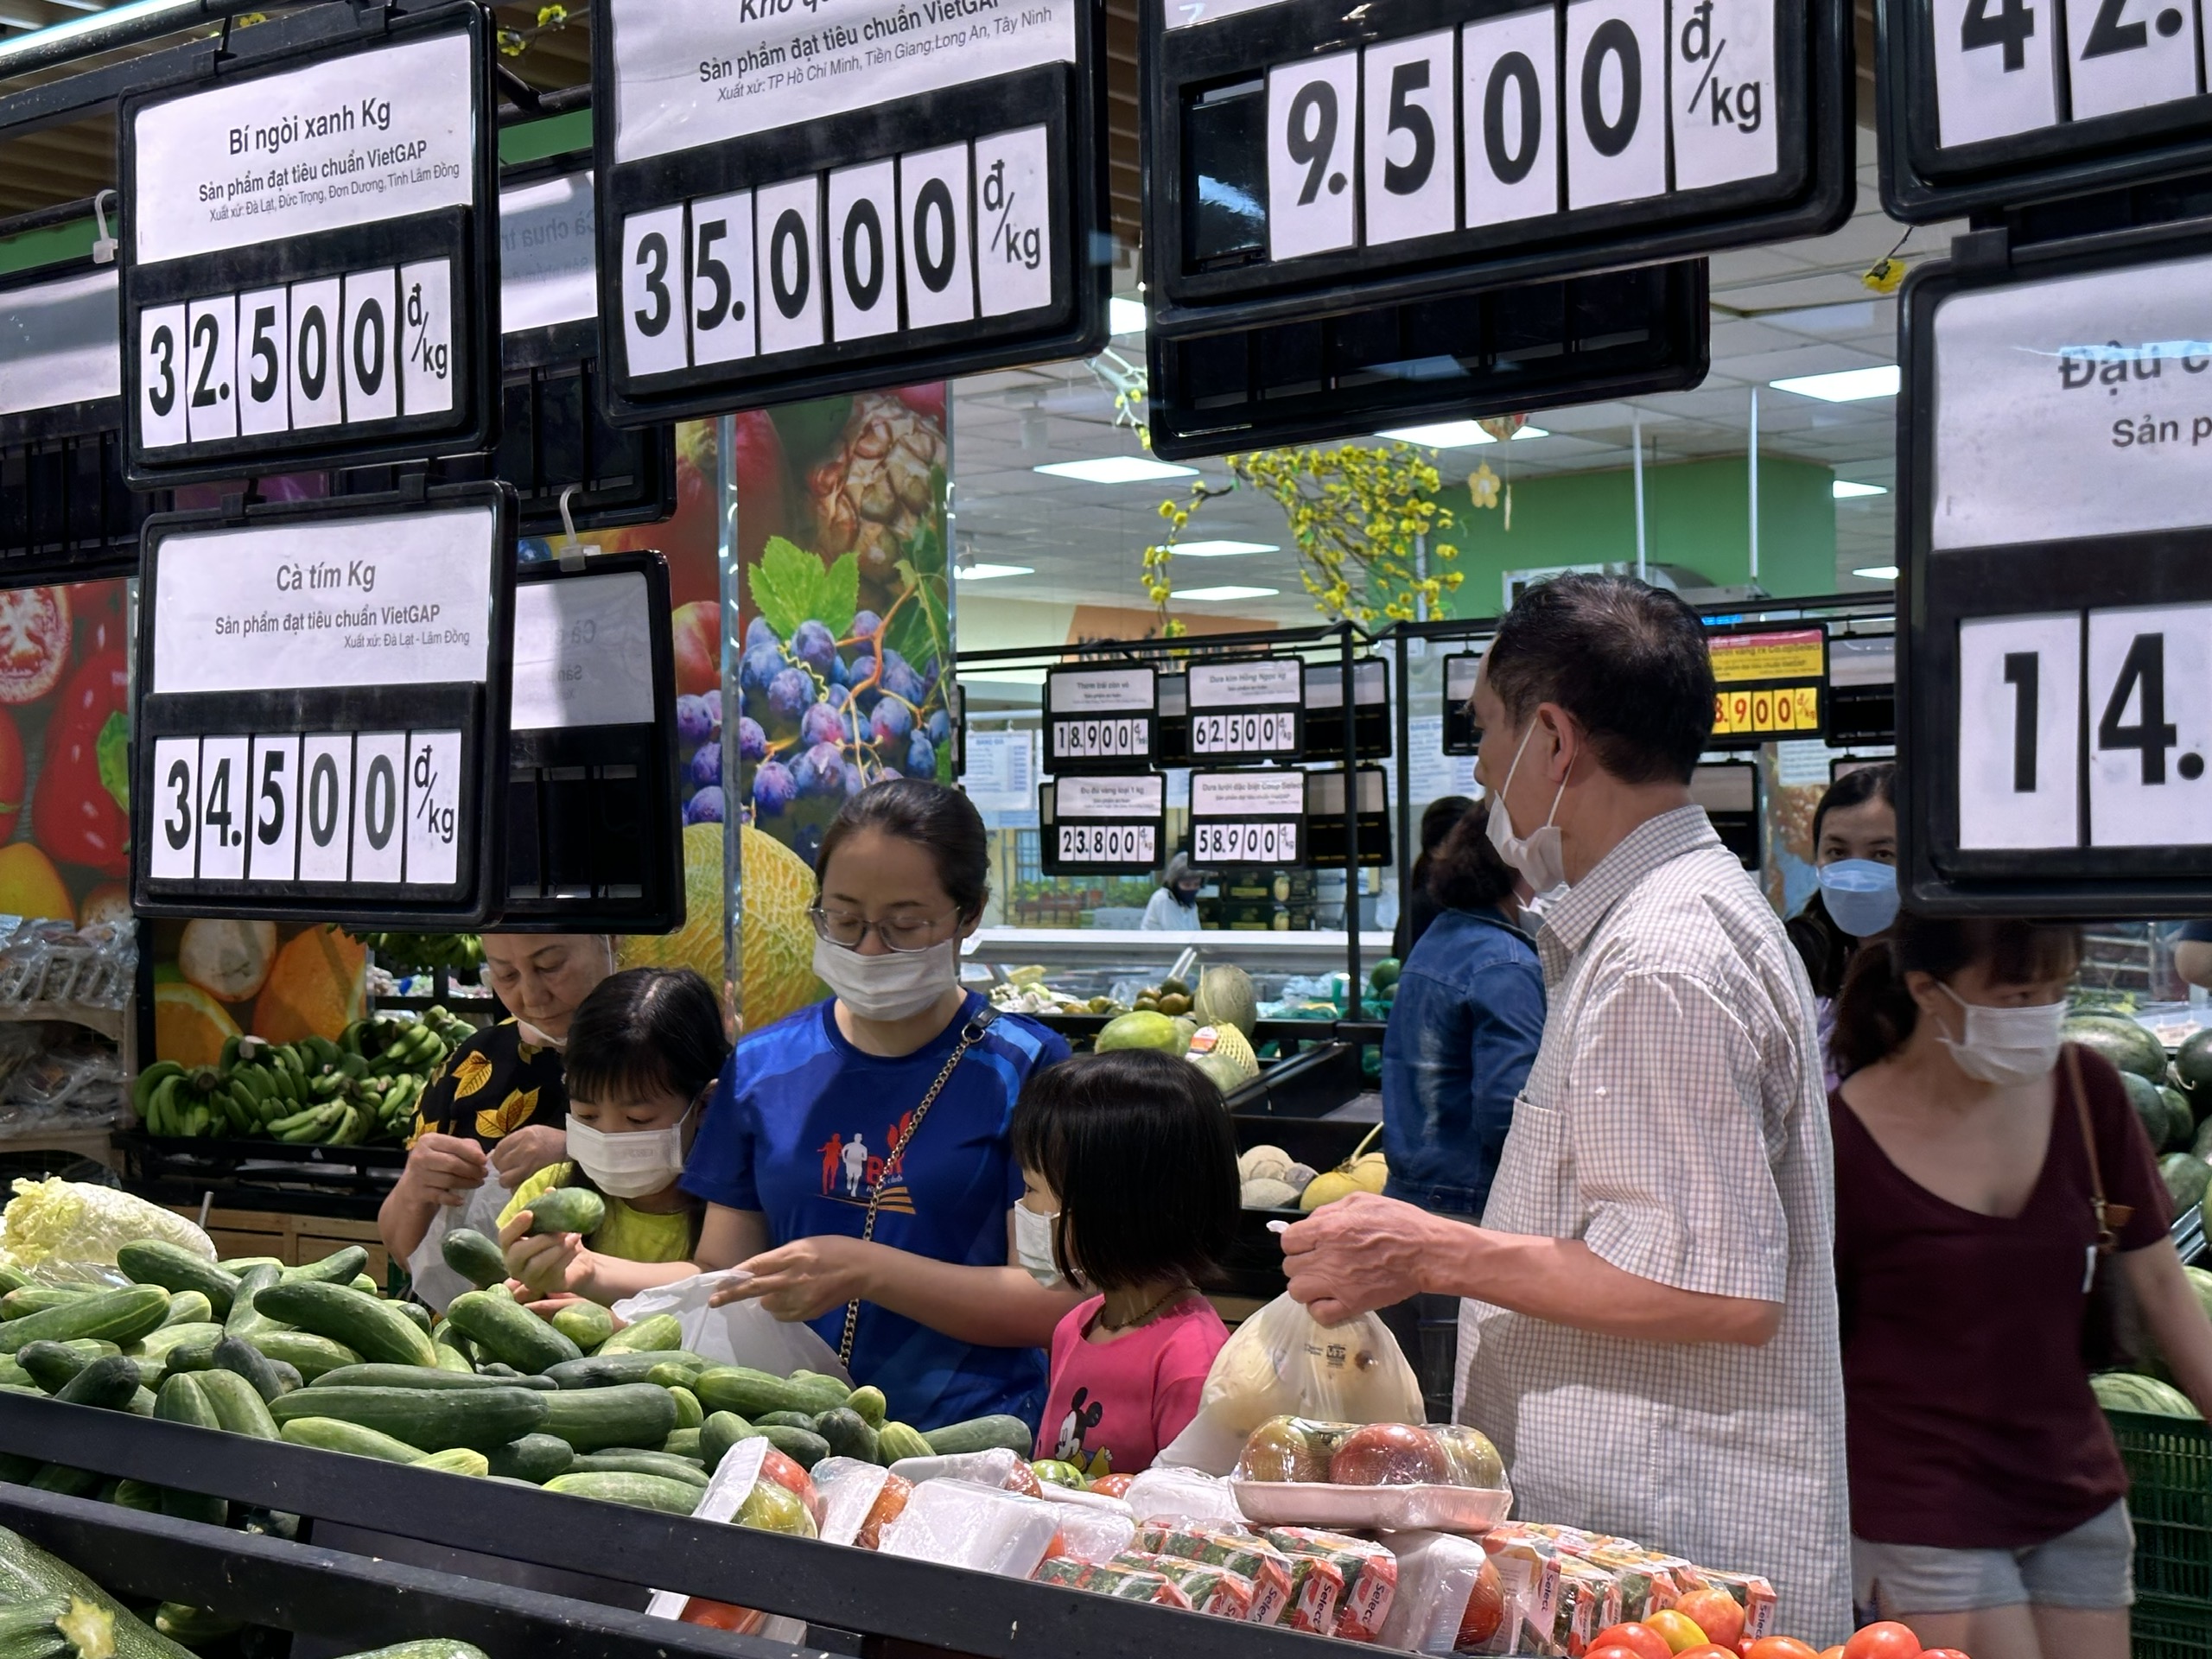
[(2182, 1124), (2186, 1178), (2150, 1106), (2120, 1040), (2124, 1391), (2193, 1067)]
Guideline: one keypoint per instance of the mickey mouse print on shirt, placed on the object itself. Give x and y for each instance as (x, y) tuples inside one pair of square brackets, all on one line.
[(1084, 1415)]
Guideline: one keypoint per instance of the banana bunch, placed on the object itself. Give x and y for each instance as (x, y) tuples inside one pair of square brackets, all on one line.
[(363, 1087)]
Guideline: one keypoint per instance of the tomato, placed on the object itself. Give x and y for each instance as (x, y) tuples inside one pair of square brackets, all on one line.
[(1835, 1652), (1677, 1630), (1887, 1640), (697, 631), (720, 1616), (1484, 1611), (1935, 1653), (1640, 1639), (33, 641), (1710, 1650), (1614, 1651), (1779, 1647), (1718, 1614), (77, 810)]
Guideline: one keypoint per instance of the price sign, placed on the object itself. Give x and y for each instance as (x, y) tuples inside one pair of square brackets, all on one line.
[(310, 271), (322, 710), (595, 834), (1255, 708), (1248, 818), (1325, 705), (1099, 719), (1103, 825), (1729, 792), (802, 202), (2057, 686), (1324, 818), (1322, 161), (2001, 103), (1769, 684), (1461, 734)]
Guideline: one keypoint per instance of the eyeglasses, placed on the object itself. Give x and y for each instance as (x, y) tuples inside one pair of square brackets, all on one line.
[(841, 927)]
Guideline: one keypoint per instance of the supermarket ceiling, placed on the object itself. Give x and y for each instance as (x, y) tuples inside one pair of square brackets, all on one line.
[(1040, 544)]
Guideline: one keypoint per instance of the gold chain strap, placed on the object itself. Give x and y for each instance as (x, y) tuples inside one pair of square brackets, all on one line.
[(970, 1035)]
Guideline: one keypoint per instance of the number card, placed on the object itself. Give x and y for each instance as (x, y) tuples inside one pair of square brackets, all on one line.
[(811, 205), (1099, 718), (1324, 818), (323, 689), (1248, 818), (1102, 825), (310, 271), (1254, 709), (1461, 734)]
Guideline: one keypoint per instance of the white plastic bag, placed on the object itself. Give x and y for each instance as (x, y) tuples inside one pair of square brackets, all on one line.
[(1438, 1576), (1284, 1362), (67, 1232), (958, 1523), (1163, 1493), (739, 1333), (434, 1282)]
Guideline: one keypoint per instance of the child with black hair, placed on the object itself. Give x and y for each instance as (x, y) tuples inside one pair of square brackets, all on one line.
[(1129, 1171)]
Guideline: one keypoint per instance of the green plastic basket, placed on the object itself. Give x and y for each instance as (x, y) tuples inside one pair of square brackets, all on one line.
[(2162, 1629), (2170, 1496)]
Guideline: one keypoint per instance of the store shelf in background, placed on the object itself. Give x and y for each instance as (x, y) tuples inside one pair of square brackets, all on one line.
[(2170, 1470), (2160, 1628), (109, 1022), (1312, 952)]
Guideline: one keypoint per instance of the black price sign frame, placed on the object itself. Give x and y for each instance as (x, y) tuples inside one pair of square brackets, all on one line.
[(1372, 726), (1250, 834), (301, 726), (1111, 738), (1132, 844), (2018, 626), (340, 270), (1324, 819), (1461, 734), (1250, 725), (66, 513), (1787, 705), (2082, 70), (1738, 827), (1067, 99)]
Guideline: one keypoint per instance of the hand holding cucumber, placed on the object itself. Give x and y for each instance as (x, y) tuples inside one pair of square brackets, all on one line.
[(521, 1154), (444, 1169), (548, 1264)]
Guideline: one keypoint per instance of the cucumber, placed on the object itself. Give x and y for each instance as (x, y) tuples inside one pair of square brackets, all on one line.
[(36, 1298), (154, 1262), (802, 1445), (234, 1354), (329, 1434), (625, 1460), (982, 1435), (451, 1360), (107, 1384), (457, 1460), (567, 1210), (417, 1315), (722, 1430), (848, 1434), (366, 1286), (203, 1507), (752, 1394), (871, 1405), (32, 1629), (142, 1401), (183, 1400), (684, 1443), (640, 1492), (628, 1414), (375, 1330), (189, 1308), (585, 1324), (430, 1646), (239, 1406), (242, 1265), (69, 1483), (193, 1625), (784, 1420), (820, 1393), (50, 1366), (474, 1257), (404, 1376), (510, 1333), (895, 1441), (140, 1495), (688, 1413), (339, 1267), (12, 1279), (534, 1457), (189, 1356), (244, 1319), (433, 1419), (118, 1316), (663, 1332), (28, 1574), (603, 1370), (310, 1356), (161, 1343)]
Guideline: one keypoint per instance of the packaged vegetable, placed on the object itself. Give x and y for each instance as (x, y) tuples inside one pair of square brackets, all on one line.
[(1167, 1494), (67, 1232), (755, 1485), (1369, 1572), (962, 1523), (1283, 1592), (1114, 1579), (1215, 1591), (857, 1500), (1007, 1470), (1300, 1471), (1092, 1534), (1754, 1594), (1451, 1598)]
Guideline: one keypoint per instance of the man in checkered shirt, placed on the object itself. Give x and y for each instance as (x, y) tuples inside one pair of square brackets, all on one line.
[(1650, 1327)]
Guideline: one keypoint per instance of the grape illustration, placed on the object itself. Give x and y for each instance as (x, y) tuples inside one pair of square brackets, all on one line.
[(692, 726), (809, 845), (789, 693), (759, 634), (710, 705), (921, 757), (813, 645), (839, 673), (820, 770), (752, 741), (939, 726), (891, 722), (867, 625), (900, 680), (772, 789), (707, 766), (706, 807), (761, 666), (820, 724)]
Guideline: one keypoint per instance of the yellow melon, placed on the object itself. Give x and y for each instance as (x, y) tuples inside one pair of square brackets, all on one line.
[(778, 937)]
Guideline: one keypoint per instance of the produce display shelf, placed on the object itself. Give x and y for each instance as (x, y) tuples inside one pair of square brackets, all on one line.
[(2162, 1628), (875, 1595), (1315, 951), (343, 1181), (335, 1602), (109, 1022), (1290, 1105), (2170, 1470)]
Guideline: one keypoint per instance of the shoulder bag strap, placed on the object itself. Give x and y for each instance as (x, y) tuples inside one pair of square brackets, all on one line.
[(970, 1034), (2110, 1218)]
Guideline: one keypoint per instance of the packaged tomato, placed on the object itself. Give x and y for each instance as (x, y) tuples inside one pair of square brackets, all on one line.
[(1368, 1571), (722, 1616), (1215, 1591), (1088, 1535), (1112, 1486), (857, 1500), (1397, 1477), (1451, 1598), (1113, 1578), (1753, 1593), (1270, 1571)]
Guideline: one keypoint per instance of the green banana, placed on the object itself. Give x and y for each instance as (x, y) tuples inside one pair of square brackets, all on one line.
[(142, 1088), (159, 1113), (229, 1055)]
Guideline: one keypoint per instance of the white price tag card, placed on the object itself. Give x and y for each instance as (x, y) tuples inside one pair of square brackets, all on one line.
[(583, 653), (266, 367), (549, 265), (2150, 703), (59, 343), (652, 257), (161, 419), (1411, 184), (1250, 707), (2128, 54), (432, 807), (372, 387), (933, 213), (1312, 137), (786, 221), (326, 838), (863, 221), (272, 846), (316, 400), (175, 854), (1014, 233), (380, 772), (1141, 797), (724, 323), (1510, 121), (1096, 714), (426, 342), (1371, 685), (1995, 73), (211, 365), (224, 792), (1616, 102), (1724, 121), (2020, 739)]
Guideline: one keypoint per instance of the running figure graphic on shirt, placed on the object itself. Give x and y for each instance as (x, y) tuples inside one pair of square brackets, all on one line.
[(850, 1172), (855, 1158)]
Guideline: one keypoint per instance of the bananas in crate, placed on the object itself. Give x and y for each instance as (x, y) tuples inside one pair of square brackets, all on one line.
[(360, 1089)]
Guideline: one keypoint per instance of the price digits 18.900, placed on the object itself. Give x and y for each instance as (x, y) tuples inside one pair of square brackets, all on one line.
[(1107, 843), (1092, 739)]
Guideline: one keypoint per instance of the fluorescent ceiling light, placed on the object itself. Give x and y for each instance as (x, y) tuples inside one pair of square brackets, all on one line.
[(1442, 435), (1002, 677), (981, 572), (1125, 316), (1879, 573), (1846, 491), (1845, 386), (1222, 549), (1117, 470), (1210, 595), (1530, 432)]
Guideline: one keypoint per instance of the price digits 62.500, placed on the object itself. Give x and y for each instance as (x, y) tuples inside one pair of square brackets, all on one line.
[(1266, 731)]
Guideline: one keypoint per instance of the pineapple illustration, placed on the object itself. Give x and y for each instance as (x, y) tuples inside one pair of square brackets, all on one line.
[(875, 493)]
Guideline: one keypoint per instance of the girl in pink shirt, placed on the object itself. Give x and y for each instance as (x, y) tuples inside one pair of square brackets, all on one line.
[(1129, 1172)]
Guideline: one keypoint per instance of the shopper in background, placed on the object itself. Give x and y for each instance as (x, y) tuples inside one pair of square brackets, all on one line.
[(1418, 905), (1973, 1151), (894, 1098), (1650, 1329), (495, 1110), (643, 1051), (2193, 952), (1174, 908), (1855, 856), (1463, 1031), (1129, 1363)]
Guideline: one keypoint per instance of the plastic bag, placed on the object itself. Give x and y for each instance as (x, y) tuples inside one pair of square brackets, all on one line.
[(1284, 1362), (859, 1500), (1169, 1494), (754, 1485), (1093, 1535), (1007, 1470), (1451, 1598), (65, 1232), (434, 1282), (959, 1524), (740, 1333)]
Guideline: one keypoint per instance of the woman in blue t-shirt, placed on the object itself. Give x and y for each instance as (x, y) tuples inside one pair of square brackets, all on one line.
[(822, 1113)]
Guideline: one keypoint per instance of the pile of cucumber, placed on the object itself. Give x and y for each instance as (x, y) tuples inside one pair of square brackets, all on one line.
[(315, 1356)]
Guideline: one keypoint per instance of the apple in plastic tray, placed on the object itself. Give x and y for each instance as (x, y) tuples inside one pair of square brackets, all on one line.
[(1391, 1454)]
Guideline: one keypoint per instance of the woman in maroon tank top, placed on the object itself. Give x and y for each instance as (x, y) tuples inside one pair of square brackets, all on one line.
[(1987, 1498)]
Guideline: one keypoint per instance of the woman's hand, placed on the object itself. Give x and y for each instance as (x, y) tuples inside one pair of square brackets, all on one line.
[(442, 1169), (521, 1154), (548, 1264), (803, 1280)]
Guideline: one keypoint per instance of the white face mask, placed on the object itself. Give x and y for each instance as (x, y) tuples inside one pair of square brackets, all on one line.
[(631, 1164), (1539, 858), (2006, 1046), (537, 1038), (1032, 1245), (896, 985)]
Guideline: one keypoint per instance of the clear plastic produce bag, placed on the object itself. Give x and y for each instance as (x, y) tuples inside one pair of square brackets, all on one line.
[(1284, 1362), (434, 1282), (738, 1333), (66, 1232)]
